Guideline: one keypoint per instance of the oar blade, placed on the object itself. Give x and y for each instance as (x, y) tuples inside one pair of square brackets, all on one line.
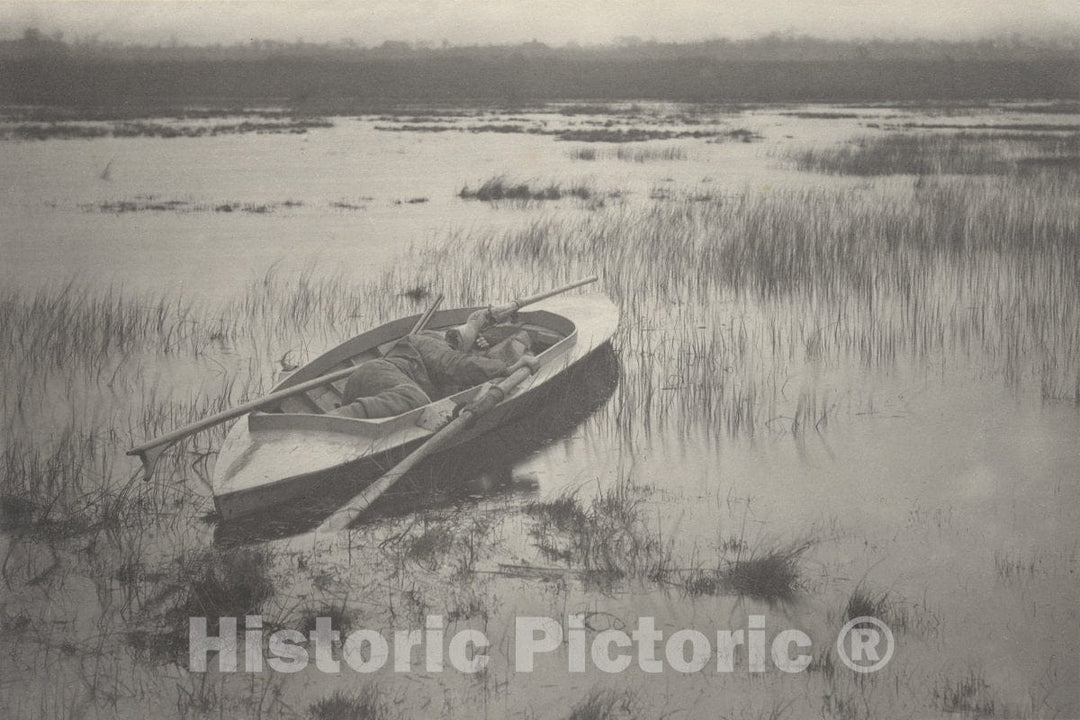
[(149, 458)]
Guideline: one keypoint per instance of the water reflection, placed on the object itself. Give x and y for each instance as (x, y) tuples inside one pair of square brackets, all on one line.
[(481, 469)]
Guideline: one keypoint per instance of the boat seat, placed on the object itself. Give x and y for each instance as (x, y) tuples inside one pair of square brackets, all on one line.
[(299, 404), (326, 397)]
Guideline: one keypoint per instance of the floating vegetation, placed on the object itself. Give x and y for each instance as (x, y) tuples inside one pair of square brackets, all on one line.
[(127, 113), (83, 131), (593, 135), (628, 135), (499, 188), (350, 204), (811, 115), (737, 135), (148, 203), (631, 154)]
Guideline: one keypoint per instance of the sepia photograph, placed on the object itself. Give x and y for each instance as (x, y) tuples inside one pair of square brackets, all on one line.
[(540, 360)]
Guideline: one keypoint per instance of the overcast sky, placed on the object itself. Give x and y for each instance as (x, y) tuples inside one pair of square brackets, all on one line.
[(552, 21)]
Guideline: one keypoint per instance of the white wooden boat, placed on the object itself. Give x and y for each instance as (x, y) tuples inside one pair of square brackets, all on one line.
[(274, 455)]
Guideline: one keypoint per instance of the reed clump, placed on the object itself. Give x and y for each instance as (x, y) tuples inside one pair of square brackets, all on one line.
[(766, 574)]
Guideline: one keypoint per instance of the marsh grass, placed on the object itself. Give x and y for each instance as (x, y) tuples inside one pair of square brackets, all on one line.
[(955, 153), (430, 545), (608, 539), (723, 301), (969, 695), (863, 603), (221, 582), (63, 489), (822, 276), (209, 583), (1014, 567)]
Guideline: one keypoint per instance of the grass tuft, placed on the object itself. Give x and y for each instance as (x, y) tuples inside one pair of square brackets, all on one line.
[(862, 603), (341, 618), (772, 576), (365, 704), (603, 705)]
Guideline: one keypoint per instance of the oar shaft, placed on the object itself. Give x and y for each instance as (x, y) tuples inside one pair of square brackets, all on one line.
[(270, 399), (426, 317), (441, 439), (240, 410), (518, 304)]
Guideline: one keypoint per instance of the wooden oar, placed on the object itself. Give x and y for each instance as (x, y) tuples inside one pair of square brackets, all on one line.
[(494, 395), (150, 451)]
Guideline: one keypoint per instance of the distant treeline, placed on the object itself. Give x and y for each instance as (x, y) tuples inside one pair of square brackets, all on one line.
[(40, 70)]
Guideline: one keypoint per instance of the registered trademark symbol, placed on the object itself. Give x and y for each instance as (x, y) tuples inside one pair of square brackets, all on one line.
[(865, 649)]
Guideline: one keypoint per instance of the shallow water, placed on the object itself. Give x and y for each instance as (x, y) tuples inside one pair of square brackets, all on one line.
[(934, 480)]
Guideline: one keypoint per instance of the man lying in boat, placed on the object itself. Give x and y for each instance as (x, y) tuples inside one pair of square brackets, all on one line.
[(431, 365)]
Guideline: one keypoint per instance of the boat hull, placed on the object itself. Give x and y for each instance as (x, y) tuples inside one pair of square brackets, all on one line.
[(273, 458)]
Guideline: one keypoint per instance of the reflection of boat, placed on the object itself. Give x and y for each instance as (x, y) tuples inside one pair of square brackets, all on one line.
[(274, 456)]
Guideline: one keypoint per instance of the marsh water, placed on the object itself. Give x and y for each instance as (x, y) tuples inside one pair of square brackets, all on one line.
[(939, 477)]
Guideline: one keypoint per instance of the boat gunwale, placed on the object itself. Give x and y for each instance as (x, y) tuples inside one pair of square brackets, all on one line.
[(385, 426)]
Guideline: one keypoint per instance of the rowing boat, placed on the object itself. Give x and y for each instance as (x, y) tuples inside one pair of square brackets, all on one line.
[(273, 455)]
